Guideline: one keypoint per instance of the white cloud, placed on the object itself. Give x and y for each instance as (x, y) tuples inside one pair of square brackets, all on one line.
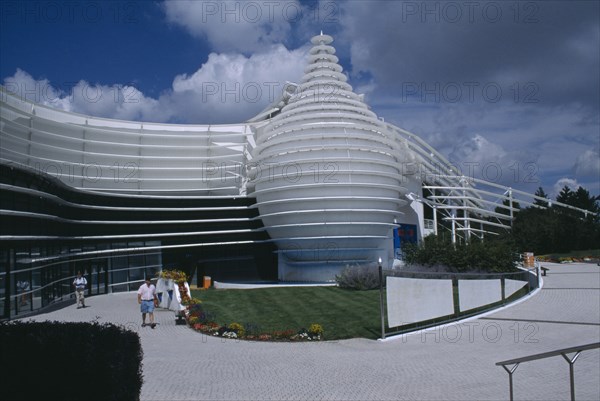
[(588, 164), (228, 88), (477, 149), (476, 156), (123, 102), (360, 55), (235, 25), (233, 87), (531, 101), (562, 182), (38, 91)]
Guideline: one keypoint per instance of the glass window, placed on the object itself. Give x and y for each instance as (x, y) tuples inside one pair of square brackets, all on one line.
[(36, 276), (119, 276), (22, 288), (153, 261), (22, 259), (64, 273), (4, 257), (119, 245), (119, 288), (136, 261), (118, 263), (3, 282), (136, 274)]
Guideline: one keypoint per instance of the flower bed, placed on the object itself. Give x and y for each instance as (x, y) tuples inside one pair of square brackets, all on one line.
[(196, 319), (203, 322), (568, 259), (177, 276)]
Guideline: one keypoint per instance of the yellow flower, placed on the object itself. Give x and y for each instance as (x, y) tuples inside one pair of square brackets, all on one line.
[(315, 329), (237, 327)]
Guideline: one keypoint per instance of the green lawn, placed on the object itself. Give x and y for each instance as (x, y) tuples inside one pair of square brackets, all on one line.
[(341, 313)]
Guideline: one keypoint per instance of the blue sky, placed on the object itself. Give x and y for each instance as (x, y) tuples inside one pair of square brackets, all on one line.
[(508, 91)]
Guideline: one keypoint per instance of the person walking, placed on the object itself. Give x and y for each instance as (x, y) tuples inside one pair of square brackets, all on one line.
[(23, 287), (146, 296), (80, 283)]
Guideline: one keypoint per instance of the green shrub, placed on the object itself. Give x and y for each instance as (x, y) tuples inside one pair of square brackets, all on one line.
[(358, 278), (69, 361), (497, 255)]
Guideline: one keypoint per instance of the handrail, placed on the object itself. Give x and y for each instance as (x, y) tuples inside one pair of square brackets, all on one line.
[(550, 354), (563, 352)]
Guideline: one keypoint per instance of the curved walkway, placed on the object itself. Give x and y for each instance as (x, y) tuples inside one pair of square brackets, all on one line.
[(454, 363)]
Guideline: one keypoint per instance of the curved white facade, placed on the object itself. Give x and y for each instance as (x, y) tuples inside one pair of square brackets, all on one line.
[(329, 179), (125, 157), (327, 173)]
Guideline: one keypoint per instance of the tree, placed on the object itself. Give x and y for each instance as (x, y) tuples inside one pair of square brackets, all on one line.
[(580, 199), (542, 194), (507, 203), (559, 229), (565, 195), (537, 230), (583, 200)]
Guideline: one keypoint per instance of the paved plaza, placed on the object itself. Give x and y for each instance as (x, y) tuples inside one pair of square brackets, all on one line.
[(456, 362)]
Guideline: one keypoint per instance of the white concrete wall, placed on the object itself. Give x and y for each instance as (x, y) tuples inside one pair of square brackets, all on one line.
[(412, 300), (475, 293), (512, 286)]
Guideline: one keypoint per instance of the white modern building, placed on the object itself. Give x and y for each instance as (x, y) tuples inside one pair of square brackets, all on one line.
[(313, 183)]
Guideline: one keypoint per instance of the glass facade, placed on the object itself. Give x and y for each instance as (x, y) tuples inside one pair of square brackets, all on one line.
[(36, 278), (51, 231)]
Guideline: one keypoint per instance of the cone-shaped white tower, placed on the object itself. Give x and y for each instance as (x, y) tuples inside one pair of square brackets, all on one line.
[(328, 176)]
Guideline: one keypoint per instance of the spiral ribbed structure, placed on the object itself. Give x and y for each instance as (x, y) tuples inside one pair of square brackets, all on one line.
[(327, 173)]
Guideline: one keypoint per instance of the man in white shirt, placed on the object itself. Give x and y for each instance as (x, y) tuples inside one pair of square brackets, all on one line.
[(80, 283), (146, 295)]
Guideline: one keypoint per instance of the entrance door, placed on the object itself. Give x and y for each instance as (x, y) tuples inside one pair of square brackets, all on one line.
[(403, 234)]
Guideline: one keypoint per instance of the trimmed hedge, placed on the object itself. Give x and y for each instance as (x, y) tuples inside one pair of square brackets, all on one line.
[(69, 361)]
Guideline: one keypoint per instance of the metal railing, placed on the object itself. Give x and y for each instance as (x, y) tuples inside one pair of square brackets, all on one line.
[(563, 352)]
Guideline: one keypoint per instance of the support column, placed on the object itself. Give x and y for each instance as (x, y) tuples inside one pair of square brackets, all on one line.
[(453, 214), (435, 222)]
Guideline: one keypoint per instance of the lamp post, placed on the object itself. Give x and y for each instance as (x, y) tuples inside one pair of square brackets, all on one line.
[(381, 310)]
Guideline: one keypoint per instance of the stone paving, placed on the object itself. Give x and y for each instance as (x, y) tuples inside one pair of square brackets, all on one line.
[(456, 362)]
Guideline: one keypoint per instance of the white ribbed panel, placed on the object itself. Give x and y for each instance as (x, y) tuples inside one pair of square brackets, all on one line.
[(123, 156), (327, 174), (327, 180)]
